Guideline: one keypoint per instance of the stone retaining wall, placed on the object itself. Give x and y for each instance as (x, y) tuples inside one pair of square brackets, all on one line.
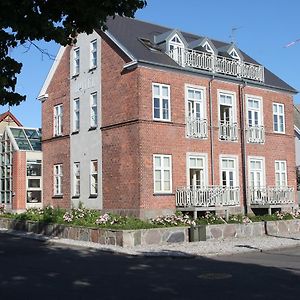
[(223, 231), (131, 238), (123, 238)]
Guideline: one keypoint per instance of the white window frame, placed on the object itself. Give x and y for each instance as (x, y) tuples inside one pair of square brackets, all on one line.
[(162, 169), (277, 105), (76, 115), (202, 101), (76, 61), (282, 173), (94, 174), (76, 179), (257, 158), (57, 120), (93, 110), (57, 180), (175, 44), (93, 54), (161, 97), (259, 110), (233, 53), (208, 48), (236, 168), (233, 105), (203, 156)]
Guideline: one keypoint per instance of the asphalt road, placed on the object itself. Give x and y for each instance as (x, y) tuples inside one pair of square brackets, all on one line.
[(32, 269)]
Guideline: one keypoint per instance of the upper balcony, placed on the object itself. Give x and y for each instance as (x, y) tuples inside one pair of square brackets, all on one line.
[(217, 64)]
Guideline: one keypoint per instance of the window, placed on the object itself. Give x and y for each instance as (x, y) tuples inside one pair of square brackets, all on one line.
[(94, 178), (58, 114), (76, 115), (228, 172), (162, 173), (93, 49), (161, 102), (208, 48), (227, 116), (234, 54), (76, 61), (197, 171), (280, 173), (93, 111), (76, 179), (278, 118), (196, 124), (34, 168), (256, 172), (58, 180), (176, 47), (254, 112)]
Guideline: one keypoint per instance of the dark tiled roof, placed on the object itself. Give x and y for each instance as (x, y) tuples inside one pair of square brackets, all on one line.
[(297, 115), (128, 31)]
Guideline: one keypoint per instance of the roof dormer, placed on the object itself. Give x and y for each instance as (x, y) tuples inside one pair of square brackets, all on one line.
[(232, 51), (173, 39), (204, 44)]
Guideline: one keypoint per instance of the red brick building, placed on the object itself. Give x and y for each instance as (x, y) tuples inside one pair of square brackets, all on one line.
[(143, 119)]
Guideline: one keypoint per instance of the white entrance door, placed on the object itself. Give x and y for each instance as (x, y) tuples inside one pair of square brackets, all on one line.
[(196, 172)]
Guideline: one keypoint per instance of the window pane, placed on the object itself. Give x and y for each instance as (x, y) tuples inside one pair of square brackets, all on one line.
[(280, 107), (165, 109), (166, 175), (157, 175), (34, 196), (156, 90), (157, 162), (166, 162), (274, 108), (165, 91), (34, 183), (158, 186)]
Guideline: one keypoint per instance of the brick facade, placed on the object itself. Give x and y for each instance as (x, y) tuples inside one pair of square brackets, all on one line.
[(19, 182), (56, 150)]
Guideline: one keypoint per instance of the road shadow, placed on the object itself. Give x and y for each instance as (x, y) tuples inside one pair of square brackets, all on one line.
[(33, 269)]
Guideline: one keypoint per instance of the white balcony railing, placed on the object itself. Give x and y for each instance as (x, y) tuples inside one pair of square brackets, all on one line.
[(208, 196), (218, 64), (256, 134), (271, 195), (196, 128), (228, 131)]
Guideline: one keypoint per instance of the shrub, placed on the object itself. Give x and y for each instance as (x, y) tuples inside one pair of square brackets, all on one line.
[(209, 219)]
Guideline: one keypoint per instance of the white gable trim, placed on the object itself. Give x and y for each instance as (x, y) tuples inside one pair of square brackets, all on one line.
[(42, 95)]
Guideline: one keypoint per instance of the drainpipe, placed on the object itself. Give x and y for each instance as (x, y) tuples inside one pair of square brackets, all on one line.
[(243, 145), (212, 165)]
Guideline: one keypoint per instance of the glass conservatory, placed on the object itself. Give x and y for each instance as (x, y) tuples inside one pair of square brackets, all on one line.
[(21, 168)]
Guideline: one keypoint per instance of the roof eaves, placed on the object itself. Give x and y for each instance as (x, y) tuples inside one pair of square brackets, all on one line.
[(203, 72)]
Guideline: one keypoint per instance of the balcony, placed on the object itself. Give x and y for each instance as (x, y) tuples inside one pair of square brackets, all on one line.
[(206, 197), (196, 128), (217, 64), (271, 196), (256, 134), (228, 131)]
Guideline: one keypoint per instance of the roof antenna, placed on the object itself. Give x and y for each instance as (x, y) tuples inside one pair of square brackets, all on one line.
[(232, 35)]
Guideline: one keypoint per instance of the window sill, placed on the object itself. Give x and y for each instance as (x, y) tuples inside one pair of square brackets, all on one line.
[(75, 76), (93, 196), (162, 121), (57, 196), (76, 197), (164, 194), (278, 132), (92, 128), (75, 132), (92, 69)]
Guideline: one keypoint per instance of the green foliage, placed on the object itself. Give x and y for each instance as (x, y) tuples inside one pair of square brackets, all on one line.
[(51, 20)]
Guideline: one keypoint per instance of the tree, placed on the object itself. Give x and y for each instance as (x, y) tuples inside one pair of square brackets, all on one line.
[(23, 21)]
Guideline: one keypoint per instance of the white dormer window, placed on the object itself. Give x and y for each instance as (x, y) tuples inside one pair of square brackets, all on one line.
[(208, 48), (234, 54), (176, 47)]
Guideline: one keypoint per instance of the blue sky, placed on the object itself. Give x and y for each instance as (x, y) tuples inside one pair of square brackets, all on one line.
[(264, 28)]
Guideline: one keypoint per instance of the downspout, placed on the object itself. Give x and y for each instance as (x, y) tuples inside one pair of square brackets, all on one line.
[(243, 146), (212, 165)]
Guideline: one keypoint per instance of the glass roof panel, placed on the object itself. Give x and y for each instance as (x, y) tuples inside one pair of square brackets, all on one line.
[(23, 144), (18, 132)]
